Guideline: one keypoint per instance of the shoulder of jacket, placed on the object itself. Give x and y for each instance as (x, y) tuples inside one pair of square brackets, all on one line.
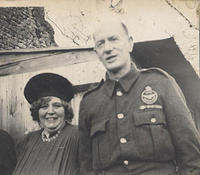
[(4, 136), (156, 70), (93, 88)]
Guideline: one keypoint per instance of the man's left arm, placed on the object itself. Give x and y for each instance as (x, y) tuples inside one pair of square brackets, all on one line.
[(185, 136)]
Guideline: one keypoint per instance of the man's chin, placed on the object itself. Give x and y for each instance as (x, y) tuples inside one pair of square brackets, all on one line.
[(113, 69)]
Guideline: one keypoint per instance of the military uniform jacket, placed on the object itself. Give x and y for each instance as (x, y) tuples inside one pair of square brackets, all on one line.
[(140, 123)]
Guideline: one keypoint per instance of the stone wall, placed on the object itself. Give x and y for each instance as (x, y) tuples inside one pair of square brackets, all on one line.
[(24, 27)]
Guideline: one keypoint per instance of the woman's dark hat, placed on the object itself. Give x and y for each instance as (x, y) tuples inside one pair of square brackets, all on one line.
[(48, 84)]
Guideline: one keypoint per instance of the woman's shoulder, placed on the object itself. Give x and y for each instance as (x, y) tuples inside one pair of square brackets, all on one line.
[(71, 130), (4, 135), (30, 136), (26, 141), (72, 127), (34, 133)]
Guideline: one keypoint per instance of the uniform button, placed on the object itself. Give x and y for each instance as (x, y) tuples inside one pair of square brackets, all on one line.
[(153, 120), (119, 93), (125, 162), (123, 140), (120, 116)]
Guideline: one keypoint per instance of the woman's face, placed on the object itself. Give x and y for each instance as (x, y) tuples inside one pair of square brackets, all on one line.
[(52, 114)]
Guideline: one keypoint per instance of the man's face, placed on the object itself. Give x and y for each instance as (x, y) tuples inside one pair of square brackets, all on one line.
[(113, 47), (52, 114)]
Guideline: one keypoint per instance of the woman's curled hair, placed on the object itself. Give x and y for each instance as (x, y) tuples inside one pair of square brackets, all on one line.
[(36, 105)]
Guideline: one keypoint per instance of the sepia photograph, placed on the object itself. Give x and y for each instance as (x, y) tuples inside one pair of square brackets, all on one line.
[(99, 87)]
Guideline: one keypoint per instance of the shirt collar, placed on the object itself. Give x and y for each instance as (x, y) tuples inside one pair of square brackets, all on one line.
[(125, 82)]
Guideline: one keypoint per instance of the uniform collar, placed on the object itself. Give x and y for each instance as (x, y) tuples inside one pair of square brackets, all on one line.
[(125, 82)]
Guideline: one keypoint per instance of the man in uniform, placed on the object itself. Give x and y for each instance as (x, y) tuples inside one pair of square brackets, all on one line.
[(134, 121)]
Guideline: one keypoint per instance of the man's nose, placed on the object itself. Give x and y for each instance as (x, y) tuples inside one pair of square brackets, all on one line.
[(108, 47)]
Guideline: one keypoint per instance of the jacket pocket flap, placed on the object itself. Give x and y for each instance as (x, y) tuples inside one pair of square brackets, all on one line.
[(149, 118), (99, 126)]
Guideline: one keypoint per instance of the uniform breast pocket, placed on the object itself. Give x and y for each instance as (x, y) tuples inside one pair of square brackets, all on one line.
[(100, 137), (153, 136)]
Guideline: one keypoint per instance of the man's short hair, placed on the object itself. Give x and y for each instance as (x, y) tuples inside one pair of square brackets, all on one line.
[(120, 22)]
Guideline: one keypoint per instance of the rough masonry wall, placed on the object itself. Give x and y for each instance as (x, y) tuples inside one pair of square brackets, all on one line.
[(24, 27)]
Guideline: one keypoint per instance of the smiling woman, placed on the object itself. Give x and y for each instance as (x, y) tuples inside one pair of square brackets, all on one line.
[(51, 114), (53, 149)]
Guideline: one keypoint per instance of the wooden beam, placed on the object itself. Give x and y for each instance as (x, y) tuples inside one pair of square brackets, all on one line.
[(10, 56), (14, 63), (47, 49)]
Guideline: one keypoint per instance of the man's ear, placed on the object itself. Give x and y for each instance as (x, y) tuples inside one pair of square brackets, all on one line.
[(131, 43)]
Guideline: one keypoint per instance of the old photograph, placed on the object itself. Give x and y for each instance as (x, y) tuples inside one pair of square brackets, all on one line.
[(99, 87)]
